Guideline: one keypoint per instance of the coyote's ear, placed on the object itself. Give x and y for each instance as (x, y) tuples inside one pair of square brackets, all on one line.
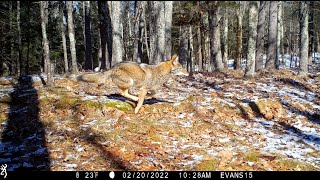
[(175, 59)]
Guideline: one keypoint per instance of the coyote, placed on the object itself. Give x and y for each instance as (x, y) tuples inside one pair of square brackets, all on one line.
[(147, 78)]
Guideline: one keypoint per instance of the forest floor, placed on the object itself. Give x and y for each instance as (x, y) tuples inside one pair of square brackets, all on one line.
[(207, 121)]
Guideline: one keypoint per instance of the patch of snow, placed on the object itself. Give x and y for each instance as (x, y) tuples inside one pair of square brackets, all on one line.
[(223, 140), (40, 151), (5, 160), (71, 165), (78, 148), (25, 164)]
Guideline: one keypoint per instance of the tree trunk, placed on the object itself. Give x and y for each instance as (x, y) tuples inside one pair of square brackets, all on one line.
[(191, 54), (46, 51), (183, 50), (19, 64), (11, 40), (260, 35), (72, 38), (304, 39), (137, 19), (88, 45), (251, 54), (239, 34), (117, 32), (214, 30), (168, 26), (105, 34), (279, 34), (311, 32), (63, 36), (199, 39), (225, 39), (157, 32), (272, 37), (127, 31), (28, 41)]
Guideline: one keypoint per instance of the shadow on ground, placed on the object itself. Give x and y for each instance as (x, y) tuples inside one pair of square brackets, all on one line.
[(23, 144)]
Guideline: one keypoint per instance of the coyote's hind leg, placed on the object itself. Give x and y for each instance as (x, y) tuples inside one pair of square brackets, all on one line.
[(125, 93)]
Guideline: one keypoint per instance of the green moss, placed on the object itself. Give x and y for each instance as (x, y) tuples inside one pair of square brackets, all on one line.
[(251, 156), (93, 104), (66, 102), (297, 165), (119, 105), (207, 165)]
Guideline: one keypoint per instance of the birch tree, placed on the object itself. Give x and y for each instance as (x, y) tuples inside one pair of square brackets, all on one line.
[(72, 38), (304, 39), (272, 36), (251, 54)]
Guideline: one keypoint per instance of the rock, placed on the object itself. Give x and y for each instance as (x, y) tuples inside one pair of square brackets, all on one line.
[(269, 108)]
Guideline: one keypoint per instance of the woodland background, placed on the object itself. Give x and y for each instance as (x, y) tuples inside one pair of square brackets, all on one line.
[(82, 35)]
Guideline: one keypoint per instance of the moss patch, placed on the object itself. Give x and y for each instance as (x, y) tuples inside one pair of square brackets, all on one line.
[(207, 165), (296, 165), (119, 105)]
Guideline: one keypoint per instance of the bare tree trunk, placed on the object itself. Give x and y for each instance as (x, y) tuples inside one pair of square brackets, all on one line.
[(88, 45), (137, 19), (127, 30), (191, 54), (28, 40), (260, 35), (199, 39), (251, 54), (105, 34), (214, 30), (239, 34), (183, 50), (117, 32), (146, 37), (19, 65), (279, 34), (157, 32), (304, 39), (11, 39), (225, 39), (272, 37), (72, 38), (63, 36), (46, 51), (168, 26), (311, 32)]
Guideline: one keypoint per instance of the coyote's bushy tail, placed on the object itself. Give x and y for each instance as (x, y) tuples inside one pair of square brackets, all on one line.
[(95, 77)]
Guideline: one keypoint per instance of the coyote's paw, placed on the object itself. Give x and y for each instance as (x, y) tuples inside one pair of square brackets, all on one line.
[(136, 110)]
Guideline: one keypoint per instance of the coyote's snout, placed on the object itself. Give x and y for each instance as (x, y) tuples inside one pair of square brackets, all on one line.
[(147, 78)]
